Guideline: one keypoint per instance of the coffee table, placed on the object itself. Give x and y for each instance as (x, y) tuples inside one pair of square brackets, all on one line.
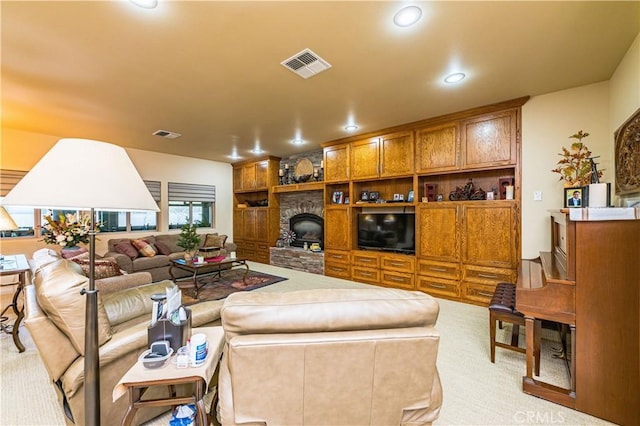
[(200, 269)]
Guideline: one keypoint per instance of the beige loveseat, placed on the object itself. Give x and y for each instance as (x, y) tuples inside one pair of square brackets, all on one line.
[(330, 357), (55, 318), (166, 248)]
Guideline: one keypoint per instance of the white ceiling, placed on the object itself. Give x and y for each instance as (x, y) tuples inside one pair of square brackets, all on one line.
[(210, 70)]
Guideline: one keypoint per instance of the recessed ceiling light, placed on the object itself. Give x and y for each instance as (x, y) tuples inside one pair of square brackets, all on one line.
[(407, 16), (455, 77), (257, 151), (351, 128), (147, 4), (234, 156), (297, 141)]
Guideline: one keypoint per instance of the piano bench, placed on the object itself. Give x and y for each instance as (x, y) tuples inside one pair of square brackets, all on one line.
[(502, 308)]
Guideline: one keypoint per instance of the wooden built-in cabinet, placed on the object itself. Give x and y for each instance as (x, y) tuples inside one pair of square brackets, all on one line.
[(255, 228), (463, 248)]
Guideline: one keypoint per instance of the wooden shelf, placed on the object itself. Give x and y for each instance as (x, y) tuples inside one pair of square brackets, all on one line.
[(298, 187)]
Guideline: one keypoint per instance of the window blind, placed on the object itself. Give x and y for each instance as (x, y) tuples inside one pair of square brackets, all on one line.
[(191, 192), (154, 188), (9, 179)]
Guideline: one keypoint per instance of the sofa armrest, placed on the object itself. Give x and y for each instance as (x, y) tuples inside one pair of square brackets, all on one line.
[(124, 262), (54, 347), (122, 282)]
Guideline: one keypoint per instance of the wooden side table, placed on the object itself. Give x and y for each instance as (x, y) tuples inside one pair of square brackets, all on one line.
[(15, 265), (138, 379)]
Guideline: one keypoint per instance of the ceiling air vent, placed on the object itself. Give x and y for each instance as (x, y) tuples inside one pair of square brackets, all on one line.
[(306, 63), (166, 134)]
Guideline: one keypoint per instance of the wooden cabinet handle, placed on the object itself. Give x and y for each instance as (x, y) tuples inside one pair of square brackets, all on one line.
[(366, 274), (397, 279), (437, 285), (433, 268), (365, 260), (482, 293), (491, 276), (397, 265)]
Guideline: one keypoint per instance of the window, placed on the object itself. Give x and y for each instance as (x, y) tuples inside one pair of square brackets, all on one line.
[(23, 216), (132, 221), (192, 204)]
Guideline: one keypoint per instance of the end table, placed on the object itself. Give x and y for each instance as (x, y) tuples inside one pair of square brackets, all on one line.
[(14, 265)]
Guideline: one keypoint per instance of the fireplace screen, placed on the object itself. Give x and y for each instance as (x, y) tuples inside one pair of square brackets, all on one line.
[(309, 228)]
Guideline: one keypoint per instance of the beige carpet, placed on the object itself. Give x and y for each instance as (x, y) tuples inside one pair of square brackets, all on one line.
[(476, 392)]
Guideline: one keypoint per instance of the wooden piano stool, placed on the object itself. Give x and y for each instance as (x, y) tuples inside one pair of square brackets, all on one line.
[(502, 308)]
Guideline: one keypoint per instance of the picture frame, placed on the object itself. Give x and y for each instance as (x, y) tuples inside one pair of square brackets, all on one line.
[(576, 197), (410, 196), (364, 195), (396, 197), (337, 197), (430, 191), (627, 151), (439, 197), (502, 185), (346, 199), (374, 195)]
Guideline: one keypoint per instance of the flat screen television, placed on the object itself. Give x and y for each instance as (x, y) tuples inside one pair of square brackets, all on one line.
[(387, 231)]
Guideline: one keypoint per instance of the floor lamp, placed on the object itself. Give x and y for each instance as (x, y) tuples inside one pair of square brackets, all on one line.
[(82, 174)]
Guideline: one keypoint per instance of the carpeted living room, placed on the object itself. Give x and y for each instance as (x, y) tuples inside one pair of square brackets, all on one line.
[(349, 198)]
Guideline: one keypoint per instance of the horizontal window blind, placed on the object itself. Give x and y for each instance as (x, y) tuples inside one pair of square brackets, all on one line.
[(154, 188), (191, 192), (9, 179)]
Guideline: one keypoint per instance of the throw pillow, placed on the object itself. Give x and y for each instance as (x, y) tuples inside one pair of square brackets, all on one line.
[(144, 248), (125, 247), (104, 268), (214, 240), (163, 248)]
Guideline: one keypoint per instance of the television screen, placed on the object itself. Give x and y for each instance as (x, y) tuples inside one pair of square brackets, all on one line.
[(387, 231)]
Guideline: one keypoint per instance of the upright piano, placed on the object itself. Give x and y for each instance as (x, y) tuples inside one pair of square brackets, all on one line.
[(590, 281)]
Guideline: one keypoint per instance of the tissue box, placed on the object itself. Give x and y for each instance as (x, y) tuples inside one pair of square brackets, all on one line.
[(183, 415)]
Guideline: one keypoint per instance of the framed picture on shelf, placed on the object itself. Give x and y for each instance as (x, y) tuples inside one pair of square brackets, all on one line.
[(337, 197), (374, 195), (410, 196), (346, 199), (576, 197), (430, 191), (364, 195)]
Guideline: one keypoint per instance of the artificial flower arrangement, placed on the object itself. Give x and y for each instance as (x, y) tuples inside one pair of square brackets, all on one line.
[(576, 168), (68, 231)]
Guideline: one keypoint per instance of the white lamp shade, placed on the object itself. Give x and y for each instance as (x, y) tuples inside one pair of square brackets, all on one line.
[(6, 221), (83, 174)]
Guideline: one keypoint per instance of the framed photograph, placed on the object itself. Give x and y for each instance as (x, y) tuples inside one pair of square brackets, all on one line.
[(502, 186), (346, 199), (576, 197), (439, 197), (430, 190), (410, 196), (396, 197), (364, 195), (337, 197), (374, 195)]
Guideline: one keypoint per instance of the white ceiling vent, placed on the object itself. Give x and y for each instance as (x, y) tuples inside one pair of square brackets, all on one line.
[(306, 64), (167, 134)]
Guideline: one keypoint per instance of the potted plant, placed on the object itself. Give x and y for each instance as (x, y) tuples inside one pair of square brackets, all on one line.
[(576, 168), (189, 240)]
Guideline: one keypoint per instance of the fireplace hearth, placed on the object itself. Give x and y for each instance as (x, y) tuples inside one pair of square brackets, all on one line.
[(308, 227)]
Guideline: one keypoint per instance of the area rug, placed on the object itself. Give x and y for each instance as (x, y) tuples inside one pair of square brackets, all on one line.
[(230, 282)]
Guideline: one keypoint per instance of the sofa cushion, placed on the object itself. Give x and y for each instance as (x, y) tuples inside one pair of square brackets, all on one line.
[(144, 248), (58, 288), (145, 263), (214, 240), (162, 248), (125, 247), (104, 268), (171, 241)]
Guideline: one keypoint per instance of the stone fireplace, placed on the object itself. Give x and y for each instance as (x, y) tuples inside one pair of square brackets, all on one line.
[(308, 227)]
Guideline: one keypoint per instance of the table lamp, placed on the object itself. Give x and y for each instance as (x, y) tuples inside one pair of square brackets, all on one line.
[(6, 224), (83, 174)]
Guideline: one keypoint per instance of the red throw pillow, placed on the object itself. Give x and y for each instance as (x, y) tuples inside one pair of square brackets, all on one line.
[(144, 248), (125, 247)]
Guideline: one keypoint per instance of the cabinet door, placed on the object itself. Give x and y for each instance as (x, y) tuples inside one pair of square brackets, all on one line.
[(336, 163), (440, 232), (396, 154), (490, 234), (262, 175), (437, 148), (489, 140), (249, 176), (364, 159), (262, 224), (238, 224), (250, 224), (237, 178), (337, 229)]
